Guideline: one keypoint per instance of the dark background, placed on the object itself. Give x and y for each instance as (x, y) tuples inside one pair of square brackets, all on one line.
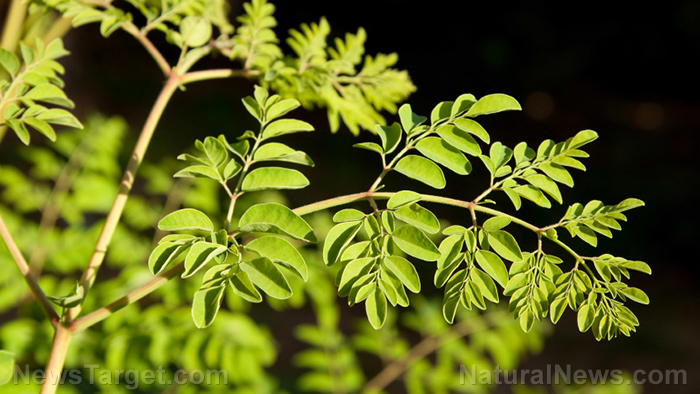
[(628, 72)]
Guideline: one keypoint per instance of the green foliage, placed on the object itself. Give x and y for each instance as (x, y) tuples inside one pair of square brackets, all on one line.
[(33, 80), (230, 253)]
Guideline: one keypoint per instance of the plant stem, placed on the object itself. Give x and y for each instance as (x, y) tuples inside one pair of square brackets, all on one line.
[(28, 276), (54, 366), (195, 76), (100, 314), (127, 182), (14, 20), (152, 50)]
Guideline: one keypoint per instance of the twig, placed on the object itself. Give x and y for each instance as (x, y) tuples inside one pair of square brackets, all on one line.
[(26, 272)]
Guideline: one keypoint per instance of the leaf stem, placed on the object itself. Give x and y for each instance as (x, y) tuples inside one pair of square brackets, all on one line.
[(115, 213), (152, 50), (28, 276), (98, 315), (195, 76)]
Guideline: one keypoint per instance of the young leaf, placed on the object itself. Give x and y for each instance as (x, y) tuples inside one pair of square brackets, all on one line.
[(279, 250), (338, 238), (418, 216), (265, 275), (206, 304), (285, 126), (473, 127), (200, 254), (348, 215), (505, 245), (492, 104), (279, 152), (404, 270), (186, 219), (402, 198), (496, 223), (281, 108), (409, 120), (423, 170), (415, 243), (493, 265), (276, 219), (390, 136), (273, 178), (244, 288), (443, 153), (371, 146), (460, 139), (375, 307), (162, 255), (462, 104)]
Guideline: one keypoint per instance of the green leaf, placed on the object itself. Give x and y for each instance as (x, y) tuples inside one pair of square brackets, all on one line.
[(353, 271), (371, 146), (496, 223), (462, 104), (635, 295), (206, 304), (200, 254), (473, 127), (415, 243), (460, 139), (49, 93), (557, 308), (405, 271), (196, 31), (281, 108), (20, 129), (214, 150), (558, 173), (285, 126), (252, 107), (186, 219), (198, 172), (265, 275), (485, 284), (42, 127), (409, 120), (582, 138), (276, 219), (523, 153), (402, 198), (231, 170), (493, 265), (60, 117), (244, 288), (9, 61), (500, 154), (585, 317), (163, 255), (280, 152), (279, 250), (442, 111), (337, 239), (443, 153), (7, 359), (73, 299), (371, 226), (348, 215), (545, 183), (239, 149), (423, 170), (505, 245), (533, 194), (390, 136), (375, 306), (418, 216), (273, 178), (492, 104)]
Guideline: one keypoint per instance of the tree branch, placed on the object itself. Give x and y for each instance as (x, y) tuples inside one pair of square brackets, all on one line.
[(26, 272)]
